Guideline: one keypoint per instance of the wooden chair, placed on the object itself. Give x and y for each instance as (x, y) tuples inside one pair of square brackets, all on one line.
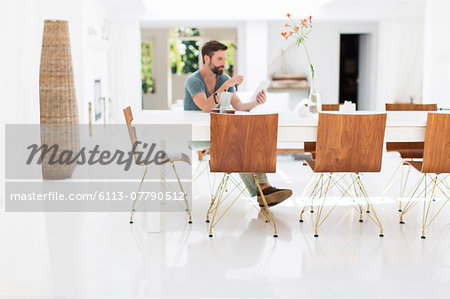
[(409, 151), (330, 107), (310, 147), (435, 166), (180, 157), (410, 107), (242, 144), (352, 144)]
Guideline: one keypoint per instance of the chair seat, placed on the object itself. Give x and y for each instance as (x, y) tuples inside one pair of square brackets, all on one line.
[(179, 157), (407, 150), (416, 164), (311, 163), (411, 153)]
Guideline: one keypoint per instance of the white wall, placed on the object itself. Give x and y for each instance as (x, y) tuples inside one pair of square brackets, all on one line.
[(25, 26), (124, 67), (400, 60), (436, 80), (323, 46), (253, 66), (96, 56), (178, 86), (22, 24)]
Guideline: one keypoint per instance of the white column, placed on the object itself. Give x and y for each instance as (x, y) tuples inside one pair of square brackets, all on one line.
[(436, 81), (252, 57), (124, 67), (161, 99)]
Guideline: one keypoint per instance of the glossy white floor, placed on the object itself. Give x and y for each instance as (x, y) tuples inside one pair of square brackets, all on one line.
[(100, 254)]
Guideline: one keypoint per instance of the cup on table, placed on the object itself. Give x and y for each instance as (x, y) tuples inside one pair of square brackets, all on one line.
[(224, 100)]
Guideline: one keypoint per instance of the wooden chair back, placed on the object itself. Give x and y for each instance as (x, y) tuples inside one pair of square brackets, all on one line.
[(410, 107), (243, 143), (128, 119), (350, 142), (330, 107), (436, 156)]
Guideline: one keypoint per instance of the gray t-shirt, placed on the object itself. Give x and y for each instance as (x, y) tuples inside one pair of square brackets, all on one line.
[(195, 84)]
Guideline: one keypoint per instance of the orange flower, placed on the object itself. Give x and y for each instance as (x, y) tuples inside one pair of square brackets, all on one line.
[(304, 21), (310, 18), (297, 29), (288, 15), (286, 25), (290, 33), (283, 33)]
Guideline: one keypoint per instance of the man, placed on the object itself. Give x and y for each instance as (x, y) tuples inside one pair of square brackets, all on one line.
[(199, 94)]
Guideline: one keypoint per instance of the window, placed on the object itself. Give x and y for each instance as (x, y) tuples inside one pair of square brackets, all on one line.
[(185, 51)]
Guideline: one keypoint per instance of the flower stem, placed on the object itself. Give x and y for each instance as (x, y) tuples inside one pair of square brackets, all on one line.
[(312, 90), (309, 61)]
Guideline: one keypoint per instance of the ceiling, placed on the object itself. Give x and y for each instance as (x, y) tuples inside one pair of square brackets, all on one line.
[(157, 11)]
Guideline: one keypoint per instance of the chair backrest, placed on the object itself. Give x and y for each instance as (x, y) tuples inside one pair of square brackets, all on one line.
[(330, 107), (128, 119), (243, 143), (436, 156), (410, 107), (350, 142)]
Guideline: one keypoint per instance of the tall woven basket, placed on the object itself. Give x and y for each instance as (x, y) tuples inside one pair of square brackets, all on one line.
[(58, 105)]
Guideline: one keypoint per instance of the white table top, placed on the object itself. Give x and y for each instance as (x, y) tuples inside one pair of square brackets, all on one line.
[(400, 125)]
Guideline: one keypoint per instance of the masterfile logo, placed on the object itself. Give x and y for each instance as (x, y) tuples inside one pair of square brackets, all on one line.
[(78, 168)]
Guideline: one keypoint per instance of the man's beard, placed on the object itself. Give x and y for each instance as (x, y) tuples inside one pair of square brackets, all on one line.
[(215, 70)]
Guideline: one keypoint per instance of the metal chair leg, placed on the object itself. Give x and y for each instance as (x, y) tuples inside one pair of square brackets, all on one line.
[(133, 210), (213, 198), (269, 219), (188, 210)]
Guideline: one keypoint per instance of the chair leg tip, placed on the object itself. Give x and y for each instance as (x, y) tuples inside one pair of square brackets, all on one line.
[(131, 222), (267, 221), (423, 237), (381, 235), (368, 212), (312, 211), (402, 222), (400, 210), (210, 236), (190, 221), (360, 220), (275, 236), (301, 221), (316, 236), (207, 221)]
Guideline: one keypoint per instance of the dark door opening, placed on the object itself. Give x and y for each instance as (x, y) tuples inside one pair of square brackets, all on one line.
[(349, 68)]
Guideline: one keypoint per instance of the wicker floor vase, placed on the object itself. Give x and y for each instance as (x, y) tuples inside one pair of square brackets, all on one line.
[(58, 104)]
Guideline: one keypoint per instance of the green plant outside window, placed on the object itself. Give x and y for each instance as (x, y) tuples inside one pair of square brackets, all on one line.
[(185, 51)]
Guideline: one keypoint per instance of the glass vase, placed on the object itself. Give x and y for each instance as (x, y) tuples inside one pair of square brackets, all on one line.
[(314, 103)]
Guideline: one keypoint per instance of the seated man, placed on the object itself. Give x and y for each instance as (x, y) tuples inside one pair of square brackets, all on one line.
[(199, 90)]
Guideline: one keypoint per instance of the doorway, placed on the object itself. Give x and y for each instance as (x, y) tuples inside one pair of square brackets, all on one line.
[(349, 68)]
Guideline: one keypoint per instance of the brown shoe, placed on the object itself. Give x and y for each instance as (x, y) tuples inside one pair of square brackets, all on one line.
[(274, 196)]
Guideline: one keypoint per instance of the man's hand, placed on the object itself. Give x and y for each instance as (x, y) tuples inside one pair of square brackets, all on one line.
[(236, 80), (261, 97)]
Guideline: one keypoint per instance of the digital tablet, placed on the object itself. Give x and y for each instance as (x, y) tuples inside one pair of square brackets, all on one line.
[(262, 86)]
